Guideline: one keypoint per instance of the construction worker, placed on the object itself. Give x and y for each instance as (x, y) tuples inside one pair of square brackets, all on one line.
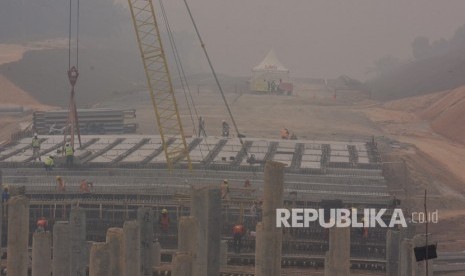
[(238, 232), (49, 163), (69, 151), (164, 221), (60, 184), (202, 127), (254, 212), (36, 148), (5, 195), (85, 187), (225, 130), (225, 189), (41, 224), (284, 133)]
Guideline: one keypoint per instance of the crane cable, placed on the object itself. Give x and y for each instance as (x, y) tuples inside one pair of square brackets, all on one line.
[(214, 75), (182, 75), (70, 33), (179, 67)]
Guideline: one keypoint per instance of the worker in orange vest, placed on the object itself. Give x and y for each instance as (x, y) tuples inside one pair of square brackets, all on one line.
[(238, 232), (60, 184), (85, 188), (41, 224)]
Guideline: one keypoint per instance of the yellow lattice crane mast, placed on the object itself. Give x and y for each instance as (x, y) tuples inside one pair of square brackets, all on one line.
[(159, 82)]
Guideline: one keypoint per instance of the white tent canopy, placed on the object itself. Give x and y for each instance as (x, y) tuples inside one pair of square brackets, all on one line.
[(269, 75), (270, 63)]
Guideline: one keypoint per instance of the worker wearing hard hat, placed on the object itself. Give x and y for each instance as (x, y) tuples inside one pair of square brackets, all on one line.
[(225, 189), (69, 151), (238, 232), (49, 163), (42, 224), (36, 148), (85, 187), (164, 221)]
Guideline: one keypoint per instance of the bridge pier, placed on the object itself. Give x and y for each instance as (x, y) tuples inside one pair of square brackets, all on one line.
[(18, 236)]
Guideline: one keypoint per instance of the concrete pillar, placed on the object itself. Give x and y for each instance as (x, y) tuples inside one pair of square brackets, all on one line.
[(41, 254), (78, 255), (61, 248), (419, 268), (206, 208), (224, 254), (269, 238), (337, 261), (1, 212), (99, 259), (392, 252), (187, 234), (115, 251), (145, 218), (1, 224), (18, 236), (131, 248), (156, 254), (406, 257), (182, 264)]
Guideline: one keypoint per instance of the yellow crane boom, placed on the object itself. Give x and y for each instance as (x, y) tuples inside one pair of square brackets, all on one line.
[(159, 82)]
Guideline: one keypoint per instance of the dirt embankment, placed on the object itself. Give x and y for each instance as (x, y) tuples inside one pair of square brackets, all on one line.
[(447, 115), (445, 111), (10, 94), (13, 96)]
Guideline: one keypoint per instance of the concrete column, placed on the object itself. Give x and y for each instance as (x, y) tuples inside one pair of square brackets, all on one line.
[(187, 234), (1, 212), (145, 218), (131, 248), (188, 239), (337, 261), (206, 208), (182, 264), (18, 236), (1, 224), (78, 254), (41, 254), (115, 249), (156, 254), (420, 267), (269, 237), (406, 257), (99, 259), (392, 252), (224, 254), (61, 248)]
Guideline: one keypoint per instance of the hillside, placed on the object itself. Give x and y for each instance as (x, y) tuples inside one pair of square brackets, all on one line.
[(445, 111), (447, 115)]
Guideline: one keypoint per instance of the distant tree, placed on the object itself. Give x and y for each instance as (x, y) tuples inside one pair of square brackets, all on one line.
[(458, 41), (421, 48), (440, 47), (385, 65)]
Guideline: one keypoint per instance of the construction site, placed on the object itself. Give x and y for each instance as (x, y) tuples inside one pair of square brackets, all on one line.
[(166, 179)]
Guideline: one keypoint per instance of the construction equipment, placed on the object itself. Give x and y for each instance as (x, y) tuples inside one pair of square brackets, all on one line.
[(159, 81)]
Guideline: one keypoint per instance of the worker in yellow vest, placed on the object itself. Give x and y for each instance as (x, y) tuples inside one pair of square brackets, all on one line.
[(48, 163), (36, 148), (69, 151)]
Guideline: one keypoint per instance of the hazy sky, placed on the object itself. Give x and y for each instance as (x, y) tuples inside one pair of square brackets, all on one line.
[(315, 38)]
